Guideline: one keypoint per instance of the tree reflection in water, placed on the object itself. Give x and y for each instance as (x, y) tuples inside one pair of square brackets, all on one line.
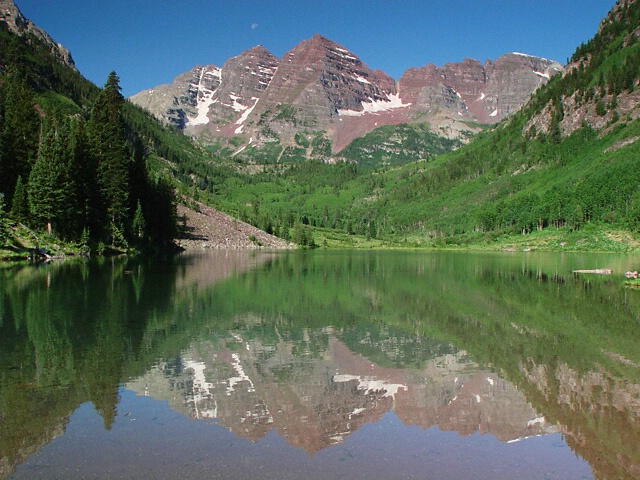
[(315, 346)]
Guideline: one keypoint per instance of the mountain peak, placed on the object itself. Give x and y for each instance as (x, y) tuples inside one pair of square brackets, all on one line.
[(257, 50), (320, 41), (11, 16), (320, 38)]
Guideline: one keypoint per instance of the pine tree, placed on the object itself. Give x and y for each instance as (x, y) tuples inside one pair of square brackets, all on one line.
[(108, 143), (82, 169), (161, 218), (20, 204), (139, 225), (3, 153), (20, 133), (555, 131), (48, 190), (3, 222)]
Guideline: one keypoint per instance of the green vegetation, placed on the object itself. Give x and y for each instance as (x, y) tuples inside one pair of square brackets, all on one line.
[(397, 145), (512, 187), (76, 161), (521, 184)]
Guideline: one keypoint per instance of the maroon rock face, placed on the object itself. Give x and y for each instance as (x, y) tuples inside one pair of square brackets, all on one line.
[(320, 86), (321, 73), (482, 93), (319, 79)]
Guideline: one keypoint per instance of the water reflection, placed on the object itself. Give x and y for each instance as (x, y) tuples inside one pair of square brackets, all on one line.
[(316, 398), (315, 346)]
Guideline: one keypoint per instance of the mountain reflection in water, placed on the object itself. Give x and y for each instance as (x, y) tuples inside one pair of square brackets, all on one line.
[(314, 348), (315, 401)]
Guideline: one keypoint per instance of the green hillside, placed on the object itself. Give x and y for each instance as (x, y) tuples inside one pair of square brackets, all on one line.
[(523, 178), (398, 144), (79, 165), (560, 174)]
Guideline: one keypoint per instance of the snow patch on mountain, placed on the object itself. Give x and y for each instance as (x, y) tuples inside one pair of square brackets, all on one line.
[(205, 98), (376, 106), (203, 109), (531, 56), (346, 54), (215, 73), (237, 106), (245, 115)]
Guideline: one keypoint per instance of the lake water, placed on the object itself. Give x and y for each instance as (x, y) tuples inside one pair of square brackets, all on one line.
[(321, 365)]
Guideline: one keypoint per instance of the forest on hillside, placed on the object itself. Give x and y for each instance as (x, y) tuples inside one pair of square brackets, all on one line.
[(72, 166)]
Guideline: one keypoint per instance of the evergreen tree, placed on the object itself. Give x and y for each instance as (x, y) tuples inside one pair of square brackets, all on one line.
[(555, 131), (3, 154), (139, 222), (160, 212), (108, 144), (20, 204), (82, 169), (20, 132), (3, 222), (48, 190)]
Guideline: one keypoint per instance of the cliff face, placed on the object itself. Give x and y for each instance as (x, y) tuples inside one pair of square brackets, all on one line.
[(199, 100), (475, 92), (322, 88)]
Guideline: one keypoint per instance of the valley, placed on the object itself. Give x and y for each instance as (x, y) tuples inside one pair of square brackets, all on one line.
[(297, 266), (317, 149)]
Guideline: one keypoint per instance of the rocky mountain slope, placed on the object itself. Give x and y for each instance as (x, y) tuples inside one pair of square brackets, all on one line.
[(484, 93), (207, 228), (320, 91), (12, 19), (598, 88)]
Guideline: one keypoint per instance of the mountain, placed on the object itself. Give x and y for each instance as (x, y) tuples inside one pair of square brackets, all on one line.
[(560, 172), (12, 19), (482, 93), (199, 97), (566, 159), (565, 165), (599, 86), (320, 94)]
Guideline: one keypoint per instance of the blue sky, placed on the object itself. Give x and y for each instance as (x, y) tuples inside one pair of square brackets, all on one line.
[(149, 42)]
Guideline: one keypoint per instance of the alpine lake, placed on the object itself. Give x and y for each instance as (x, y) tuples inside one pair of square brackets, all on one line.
[(321, 364)]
